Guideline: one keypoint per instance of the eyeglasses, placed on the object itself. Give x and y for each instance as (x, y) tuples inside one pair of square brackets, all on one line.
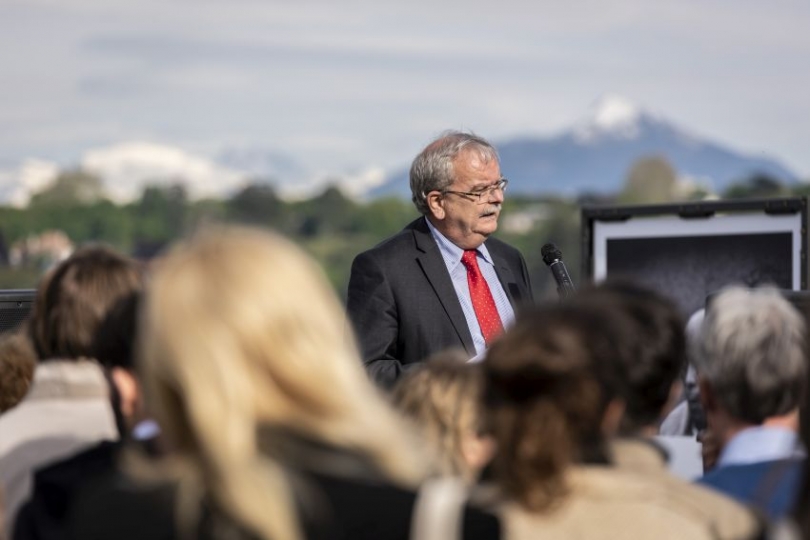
[(480, 194)]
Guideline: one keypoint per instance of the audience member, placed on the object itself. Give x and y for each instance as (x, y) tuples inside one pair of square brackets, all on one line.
[(658, 348), (67, 406), (274, 427), (57, 486), (17, 361), (552, 387), (442, 397), (752, 371)]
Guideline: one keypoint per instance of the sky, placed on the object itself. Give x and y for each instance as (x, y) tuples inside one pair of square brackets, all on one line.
[(342, 87)]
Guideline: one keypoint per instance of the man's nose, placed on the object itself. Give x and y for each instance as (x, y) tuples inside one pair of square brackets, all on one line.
[(495, 195)]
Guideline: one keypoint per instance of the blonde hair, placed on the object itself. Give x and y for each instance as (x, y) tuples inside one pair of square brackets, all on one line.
[(442, 397), (241, 329)]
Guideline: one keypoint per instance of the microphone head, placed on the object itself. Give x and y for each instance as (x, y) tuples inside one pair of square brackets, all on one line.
[(550, 253)]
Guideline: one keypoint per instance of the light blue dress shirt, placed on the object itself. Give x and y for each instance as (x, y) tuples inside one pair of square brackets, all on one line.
[(757, 444), (451, 254)]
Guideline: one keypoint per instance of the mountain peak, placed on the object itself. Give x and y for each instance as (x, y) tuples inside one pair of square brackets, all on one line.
[(613, 111), (611, 115)]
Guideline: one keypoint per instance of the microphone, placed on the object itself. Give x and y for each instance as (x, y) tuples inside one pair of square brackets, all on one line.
[(553, 258)]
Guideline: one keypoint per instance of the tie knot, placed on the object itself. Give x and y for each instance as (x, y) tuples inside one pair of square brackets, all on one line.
[(468, 259)]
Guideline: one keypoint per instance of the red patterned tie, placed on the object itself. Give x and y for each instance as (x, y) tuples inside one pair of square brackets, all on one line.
[(485, 311)]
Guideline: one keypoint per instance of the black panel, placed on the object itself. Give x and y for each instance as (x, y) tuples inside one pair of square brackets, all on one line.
[(689, 268)]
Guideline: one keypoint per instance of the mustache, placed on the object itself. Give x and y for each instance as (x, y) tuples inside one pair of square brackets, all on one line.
[(493, 208)]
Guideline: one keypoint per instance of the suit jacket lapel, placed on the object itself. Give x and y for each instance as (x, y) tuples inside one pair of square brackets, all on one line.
[(432, 263), (506, 277)]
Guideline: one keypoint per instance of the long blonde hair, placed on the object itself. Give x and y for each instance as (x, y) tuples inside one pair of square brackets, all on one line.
[(240, 329)]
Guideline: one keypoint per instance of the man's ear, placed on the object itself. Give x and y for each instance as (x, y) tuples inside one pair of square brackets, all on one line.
[(435, 202)]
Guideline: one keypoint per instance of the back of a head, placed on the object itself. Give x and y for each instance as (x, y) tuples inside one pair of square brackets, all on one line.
[(442, 397), (656, 347), (752, 353), (74, 298), (547, 384), (240, 329), (114, 345)]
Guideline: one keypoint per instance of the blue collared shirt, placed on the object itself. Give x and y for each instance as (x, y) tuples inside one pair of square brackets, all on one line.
[(452, 254), (757, 444)]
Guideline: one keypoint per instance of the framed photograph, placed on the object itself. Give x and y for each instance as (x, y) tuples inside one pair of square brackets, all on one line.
[(691, 250)]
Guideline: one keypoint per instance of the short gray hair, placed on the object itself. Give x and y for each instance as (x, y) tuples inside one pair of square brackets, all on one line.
[(752, 353), (432, 169)]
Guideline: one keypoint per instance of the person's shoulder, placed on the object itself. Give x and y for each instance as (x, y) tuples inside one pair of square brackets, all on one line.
[(731, 476), (741, 481), (617, 494), (604, 503), (396, 243), (364, 505), (728, 517)]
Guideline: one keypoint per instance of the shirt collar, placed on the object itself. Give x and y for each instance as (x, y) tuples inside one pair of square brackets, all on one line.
[(757, 444), (451, 252)]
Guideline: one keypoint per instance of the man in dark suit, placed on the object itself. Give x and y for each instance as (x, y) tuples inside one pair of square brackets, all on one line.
[(441, 282)]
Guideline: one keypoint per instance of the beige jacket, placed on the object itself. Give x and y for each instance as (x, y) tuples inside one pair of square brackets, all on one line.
[(728, 519), (67, 408), (609, 503)]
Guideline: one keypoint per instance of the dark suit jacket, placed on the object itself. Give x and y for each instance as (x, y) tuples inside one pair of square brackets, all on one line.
[(403, 305)]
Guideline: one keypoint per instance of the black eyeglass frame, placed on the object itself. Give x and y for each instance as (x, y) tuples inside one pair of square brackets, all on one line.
[(500, 184)]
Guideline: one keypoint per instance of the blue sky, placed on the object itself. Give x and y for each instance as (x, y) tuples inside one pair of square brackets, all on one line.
[(356, 84)]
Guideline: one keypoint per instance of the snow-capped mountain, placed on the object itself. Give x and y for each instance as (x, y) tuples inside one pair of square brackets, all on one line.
[(612, 117), (596, 154)]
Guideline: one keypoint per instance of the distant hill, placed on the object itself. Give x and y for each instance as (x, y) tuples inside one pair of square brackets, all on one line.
[(596, 154)]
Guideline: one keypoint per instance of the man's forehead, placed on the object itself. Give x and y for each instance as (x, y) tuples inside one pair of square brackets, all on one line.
[(471, 164)]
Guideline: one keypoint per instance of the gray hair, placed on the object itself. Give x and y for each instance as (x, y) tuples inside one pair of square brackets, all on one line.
[(752, 353), (432, 169)]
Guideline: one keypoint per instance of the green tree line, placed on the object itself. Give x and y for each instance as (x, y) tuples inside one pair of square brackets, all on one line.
[(330, 226)]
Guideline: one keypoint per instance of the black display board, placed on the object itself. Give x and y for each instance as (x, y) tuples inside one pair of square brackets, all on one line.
[(691, 250)]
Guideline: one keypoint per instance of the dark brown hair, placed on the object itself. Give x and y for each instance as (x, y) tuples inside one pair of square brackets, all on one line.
[(74, 299), (547, 383), (657, 348)]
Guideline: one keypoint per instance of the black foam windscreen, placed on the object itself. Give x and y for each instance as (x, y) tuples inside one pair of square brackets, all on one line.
[(550, 253)]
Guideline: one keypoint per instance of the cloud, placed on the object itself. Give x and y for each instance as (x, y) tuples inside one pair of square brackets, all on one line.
[(127, 168), (17, 186)]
